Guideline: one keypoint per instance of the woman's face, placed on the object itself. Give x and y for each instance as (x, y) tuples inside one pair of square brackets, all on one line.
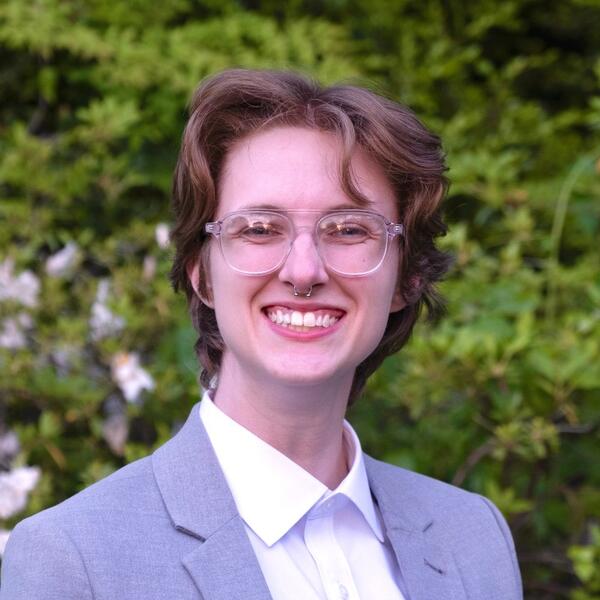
[(296, 168)]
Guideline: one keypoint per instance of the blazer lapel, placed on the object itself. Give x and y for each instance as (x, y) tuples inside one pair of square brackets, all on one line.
[(224, 567), (428, 570), (198, 500)]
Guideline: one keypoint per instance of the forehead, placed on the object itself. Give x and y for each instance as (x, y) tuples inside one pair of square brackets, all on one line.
[(297, 168)]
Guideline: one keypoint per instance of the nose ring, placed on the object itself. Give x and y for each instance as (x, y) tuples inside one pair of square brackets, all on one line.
[(305, 293)]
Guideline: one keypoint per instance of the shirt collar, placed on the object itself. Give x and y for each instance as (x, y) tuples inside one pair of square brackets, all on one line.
[(272, 493), (356, 484)]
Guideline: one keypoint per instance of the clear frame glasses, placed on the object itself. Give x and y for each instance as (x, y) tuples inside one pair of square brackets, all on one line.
[(350, 242)]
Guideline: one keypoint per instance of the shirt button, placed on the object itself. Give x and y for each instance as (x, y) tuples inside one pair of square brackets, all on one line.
[(343, 592)]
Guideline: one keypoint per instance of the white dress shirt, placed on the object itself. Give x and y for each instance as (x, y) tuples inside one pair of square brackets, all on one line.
[(311, 543)]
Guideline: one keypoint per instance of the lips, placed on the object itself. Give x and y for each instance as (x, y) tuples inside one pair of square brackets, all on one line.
[(303, 319)]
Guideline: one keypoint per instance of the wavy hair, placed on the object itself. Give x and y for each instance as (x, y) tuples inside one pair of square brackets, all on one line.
[(236, 103)]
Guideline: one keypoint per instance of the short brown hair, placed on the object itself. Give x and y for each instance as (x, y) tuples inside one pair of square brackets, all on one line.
[(235, 103)]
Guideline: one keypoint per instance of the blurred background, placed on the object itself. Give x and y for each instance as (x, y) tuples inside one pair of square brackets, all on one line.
[(502, 396)]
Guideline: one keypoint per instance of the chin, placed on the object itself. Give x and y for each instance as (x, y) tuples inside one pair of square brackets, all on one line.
[(294, 372)]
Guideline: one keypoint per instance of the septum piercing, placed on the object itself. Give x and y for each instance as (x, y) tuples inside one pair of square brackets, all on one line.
[(305, 293)]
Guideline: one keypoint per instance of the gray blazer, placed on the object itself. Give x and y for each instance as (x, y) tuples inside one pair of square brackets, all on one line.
[(166, 528)]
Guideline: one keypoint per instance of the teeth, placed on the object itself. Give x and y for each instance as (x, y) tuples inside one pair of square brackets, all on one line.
[(309, 319), (297, 319)]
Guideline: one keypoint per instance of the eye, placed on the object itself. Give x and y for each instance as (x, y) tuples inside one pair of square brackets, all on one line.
[(350, 230), (259, 229), (344, 232)]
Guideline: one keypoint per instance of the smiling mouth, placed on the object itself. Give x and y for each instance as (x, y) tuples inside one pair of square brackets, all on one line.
[(303, 321)]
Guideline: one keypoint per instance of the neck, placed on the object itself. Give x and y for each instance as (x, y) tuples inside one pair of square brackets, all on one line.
[(302, 421)]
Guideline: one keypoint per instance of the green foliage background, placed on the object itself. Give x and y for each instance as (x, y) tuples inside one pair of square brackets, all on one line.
[(502, 396)]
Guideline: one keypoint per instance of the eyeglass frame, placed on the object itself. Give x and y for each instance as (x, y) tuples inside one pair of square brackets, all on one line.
[(391, 229)]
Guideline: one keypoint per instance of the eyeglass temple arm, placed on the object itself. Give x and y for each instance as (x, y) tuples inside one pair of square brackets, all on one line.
[(213, 227), (394, 229)]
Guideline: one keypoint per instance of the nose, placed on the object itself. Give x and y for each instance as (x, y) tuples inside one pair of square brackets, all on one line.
[(303, 267)]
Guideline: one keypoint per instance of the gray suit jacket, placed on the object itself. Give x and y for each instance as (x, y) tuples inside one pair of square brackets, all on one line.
[(166, 528)]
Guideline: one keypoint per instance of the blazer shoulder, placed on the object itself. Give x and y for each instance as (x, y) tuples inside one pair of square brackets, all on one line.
[(468, 524), (130, 489), (430, 493), (49, 555), (42, 561), (132, 483), (432, 499)]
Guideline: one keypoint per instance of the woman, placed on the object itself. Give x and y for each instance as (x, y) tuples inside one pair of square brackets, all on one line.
[(305, 226)]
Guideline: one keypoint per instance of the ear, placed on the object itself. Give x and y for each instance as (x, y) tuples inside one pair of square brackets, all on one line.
[(398, 299), (193, 273), (398, 302)]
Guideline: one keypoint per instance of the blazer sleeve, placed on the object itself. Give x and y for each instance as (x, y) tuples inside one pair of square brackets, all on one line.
[(41, 561), (510, 546)]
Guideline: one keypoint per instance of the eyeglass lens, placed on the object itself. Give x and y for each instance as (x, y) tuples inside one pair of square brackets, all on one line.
[(351, 243)]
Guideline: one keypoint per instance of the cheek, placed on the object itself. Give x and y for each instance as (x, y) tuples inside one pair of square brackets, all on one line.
[(392, 285), (388, 285), (219, 275), (376, 302), (372, 328), (226, 300), (380, 301), (232, 296)]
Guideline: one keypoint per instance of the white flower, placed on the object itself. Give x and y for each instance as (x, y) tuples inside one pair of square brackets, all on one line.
[(25, 320), (9, 445), (161, 233), (115, 431), (64, 356), (103, 322), (149, 269), (4, 534), (130, 376), (62, 262), (24, 288), (103, 291), (11, 335), (15, 486)]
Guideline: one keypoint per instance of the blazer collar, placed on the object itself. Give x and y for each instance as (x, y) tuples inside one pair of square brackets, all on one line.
[(428, 568), (224, 566), (199, 503)]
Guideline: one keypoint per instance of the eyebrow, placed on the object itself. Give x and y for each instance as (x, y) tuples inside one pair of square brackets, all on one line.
[(274, 207)]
